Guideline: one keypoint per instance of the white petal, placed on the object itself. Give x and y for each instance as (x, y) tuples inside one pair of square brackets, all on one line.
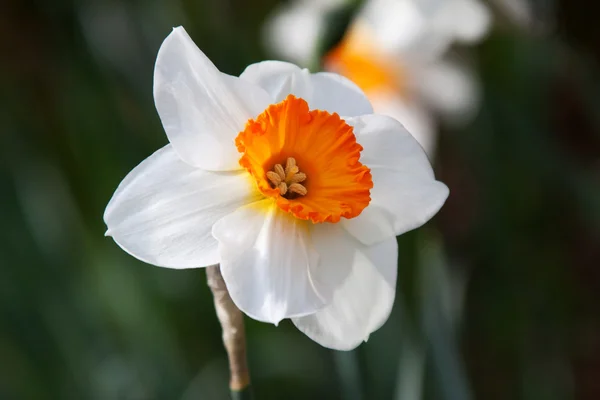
[(395, 24), (323, 91), (404, 187), (279, 79), (454, 20), (464, 20), (335, 93), (265, 260), (415, 118), (427, 48), (470, 19), (363, 301), (201, 109), (293, 30), (450, 88), (425, 29), (163, 211)]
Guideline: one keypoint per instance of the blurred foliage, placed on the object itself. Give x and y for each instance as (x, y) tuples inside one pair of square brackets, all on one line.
[(498, 296)]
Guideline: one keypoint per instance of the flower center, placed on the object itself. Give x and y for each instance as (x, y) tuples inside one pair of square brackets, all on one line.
[(288, 180), (333, 184)]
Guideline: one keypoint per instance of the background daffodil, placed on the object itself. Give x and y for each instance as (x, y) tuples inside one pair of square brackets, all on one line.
[(397, 52)]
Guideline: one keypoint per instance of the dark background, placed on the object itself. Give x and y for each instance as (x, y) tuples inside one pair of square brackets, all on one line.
[(498, 296)]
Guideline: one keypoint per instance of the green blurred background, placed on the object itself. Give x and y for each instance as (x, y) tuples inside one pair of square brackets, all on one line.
[(498, 296)]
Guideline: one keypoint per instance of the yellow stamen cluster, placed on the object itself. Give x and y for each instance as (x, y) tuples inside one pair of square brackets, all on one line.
[(288, 180)]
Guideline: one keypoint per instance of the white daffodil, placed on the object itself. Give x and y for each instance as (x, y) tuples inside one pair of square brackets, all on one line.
[(284, 178), (395, 50)]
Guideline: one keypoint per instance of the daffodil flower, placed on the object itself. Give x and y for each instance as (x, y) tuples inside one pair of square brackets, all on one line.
[(396, 52), (288, 181)]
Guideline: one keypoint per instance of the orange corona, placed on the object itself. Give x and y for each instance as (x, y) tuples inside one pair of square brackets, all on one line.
[(307, 161)]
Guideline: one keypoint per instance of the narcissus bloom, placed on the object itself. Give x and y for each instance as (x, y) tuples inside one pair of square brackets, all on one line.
[(286, 179), (395, 51)]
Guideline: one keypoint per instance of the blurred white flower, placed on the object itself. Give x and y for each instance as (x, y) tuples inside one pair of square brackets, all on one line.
[(298, 205), (295, 28), (426, 27), (395, 50)]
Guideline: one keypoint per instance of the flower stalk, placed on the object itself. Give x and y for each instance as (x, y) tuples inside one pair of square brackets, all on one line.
[(234, 335)]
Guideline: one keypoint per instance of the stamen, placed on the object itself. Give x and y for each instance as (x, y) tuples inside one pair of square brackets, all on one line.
[(274, 178), (283, 188), (279, 170), (298, 189), (299, 177), (290, 162), (288, 180), (290, 172)]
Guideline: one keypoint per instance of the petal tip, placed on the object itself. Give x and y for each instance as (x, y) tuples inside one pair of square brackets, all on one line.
[(178, 28), (444, 190)]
